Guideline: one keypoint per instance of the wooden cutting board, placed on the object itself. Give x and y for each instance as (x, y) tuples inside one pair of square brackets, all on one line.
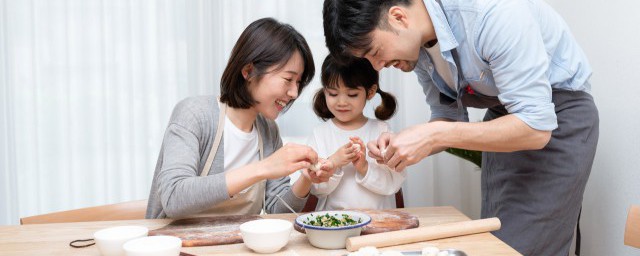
[(384, 221), (206, 231)]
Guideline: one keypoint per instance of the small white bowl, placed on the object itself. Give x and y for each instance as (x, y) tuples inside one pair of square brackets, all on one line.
[(153, 246), (332, 237), (110, 240), (266, 235)]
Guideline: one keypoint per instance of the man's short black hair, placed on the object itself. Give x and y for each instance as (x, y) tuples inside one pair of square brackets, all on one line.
[(347, 24)]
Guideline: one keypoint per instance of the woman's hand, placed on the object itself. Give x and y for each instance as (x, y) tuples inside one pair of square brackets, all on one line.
[(344, 155), (323, 174), (360, 161), (302, 186), (286, 160)]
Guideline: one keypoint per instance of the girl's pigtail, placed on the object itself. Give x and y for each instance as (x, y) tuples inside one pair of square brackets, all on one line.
[(320, 106), (388, 106)]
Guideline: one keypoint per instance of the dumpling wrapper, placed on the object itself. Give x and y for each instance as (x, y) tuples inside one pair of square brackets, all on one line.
[(316, 167)]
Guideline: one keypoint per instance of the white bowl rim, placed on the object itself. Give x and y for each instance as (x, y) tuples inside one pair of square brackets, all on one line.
[(288, 225), (133, 245), (366, 219), (131, 231)]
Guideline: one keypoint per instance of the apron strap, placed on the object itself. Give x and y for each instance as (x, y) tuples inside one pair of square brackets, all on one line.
[(216, 140), (260, 145), (459, 86), (578, 235), (216, 144), (261, 151)]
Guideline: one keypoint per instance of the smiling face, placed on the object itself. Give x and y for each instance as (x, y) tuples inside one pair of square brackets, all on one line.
[(388, 48), (277, 88), (346, 104), (396, 42)]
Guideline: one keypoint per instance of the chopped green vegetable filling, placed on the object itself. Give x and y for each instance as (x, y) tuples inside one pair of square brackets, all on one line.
[(327, 220)]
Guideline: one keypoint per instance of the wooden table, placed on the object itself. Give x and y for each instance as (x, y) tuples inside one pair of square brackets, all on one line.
[(53, 239)]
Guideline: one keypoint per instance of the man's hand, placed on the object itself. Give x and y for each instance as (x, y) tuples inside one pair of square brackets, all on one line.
[(378, 147), (405, 148), (409, 147)]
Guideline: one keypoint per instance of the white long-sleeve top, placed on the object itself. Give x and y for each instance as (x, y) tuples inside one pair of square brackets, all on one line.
[(347, 189)]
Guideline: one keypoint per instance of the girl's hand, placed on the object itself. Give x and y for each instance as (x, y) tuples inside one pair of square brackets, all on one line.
[(344, 155), (360, 161), (286, 160), (323, 174)]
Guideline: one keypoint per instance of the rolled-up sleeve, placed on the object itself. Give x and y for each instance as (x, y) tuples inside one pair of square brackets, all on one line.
[(508, 38)]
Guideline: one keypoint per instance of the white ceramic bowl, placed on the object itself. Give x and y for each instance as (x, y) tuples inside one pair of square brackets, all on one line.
[(266, 235), (153, 246), (110, 240), (332, 237)]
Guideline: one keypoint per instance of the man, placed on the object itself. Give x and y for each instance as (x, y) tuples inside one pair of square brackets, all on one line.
[(516, 58)]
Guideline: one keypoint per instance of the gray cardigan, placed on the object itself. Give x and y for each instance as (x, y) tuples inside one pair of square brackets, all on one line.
[(177, 189)]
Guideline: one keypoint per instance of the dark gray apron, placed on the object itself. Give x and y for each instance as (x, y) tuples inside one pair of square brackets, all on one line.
[(537, 194)]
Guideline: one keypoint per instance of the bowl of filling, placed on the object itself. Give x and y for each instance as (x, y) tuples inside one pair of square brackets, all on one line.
[(330, 229)]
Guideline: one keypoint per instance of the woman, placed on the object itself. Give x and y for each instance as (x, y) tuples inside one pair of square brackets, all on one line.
[(202, 170)]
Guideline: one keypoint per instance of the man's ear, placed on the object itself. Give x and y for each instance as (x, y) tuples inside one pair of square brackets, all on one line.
[(247, 70), (372, 91), (397, 17)]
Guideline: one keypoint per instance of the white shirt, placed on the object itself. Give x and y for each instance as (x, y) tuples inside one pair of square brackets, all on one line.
[(442, 67), (240, 148), (347, 189)]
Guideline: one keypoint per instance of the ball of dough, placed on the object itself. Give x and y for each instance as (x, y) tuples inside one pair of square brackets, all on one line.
[(443, 253), (369, 251), (356, 148), (391, 253), (430, 251), (315, 167)]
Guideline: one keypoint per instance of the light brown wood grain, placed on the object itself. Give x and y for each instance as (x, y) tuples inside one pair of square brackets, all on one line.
[(121, 211), (632, 228), (204, 231), (53, 239)]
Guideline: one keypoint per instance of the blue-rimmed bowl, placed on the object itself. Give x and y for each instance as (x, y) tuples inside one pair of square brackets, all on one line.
[(332, 237)]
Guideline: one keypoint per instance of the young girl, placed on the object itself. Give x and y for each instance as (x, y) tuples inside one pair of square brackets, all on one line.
[(358, 182), (243, 170)]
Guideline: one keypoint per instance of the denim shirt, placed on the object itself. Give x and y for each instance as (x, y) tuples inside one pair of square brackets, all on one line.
[(517, 50)]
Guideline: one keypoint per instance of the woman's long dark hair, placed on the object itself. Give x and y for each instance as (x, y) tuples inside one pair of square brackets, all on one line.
[(358, 72)]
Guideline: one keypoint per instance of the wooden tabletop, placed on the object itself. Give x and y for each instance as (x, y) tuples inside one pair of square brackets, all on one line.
[(53, 239)]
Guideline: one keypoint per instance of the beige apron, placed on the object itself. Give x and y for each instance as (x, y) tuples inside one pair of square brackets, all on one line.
[(250, 200)]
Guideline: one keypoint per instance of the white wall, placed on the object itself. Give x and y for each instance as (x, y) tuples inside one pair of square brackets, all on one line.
[(608, 32)]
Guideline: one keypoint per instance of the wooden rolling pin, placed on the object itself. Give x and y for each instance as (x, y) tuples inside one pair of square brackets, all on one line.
[(423, 233)]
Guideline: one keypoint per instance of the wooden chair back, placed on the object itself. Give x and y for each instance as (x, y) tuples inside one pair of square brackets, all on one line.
[(121, 211), (632, 228), (312, 202)]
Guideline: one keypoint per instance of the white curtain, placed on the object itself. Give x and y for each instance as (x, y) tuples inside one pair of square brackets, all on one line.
[(87, 87)]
